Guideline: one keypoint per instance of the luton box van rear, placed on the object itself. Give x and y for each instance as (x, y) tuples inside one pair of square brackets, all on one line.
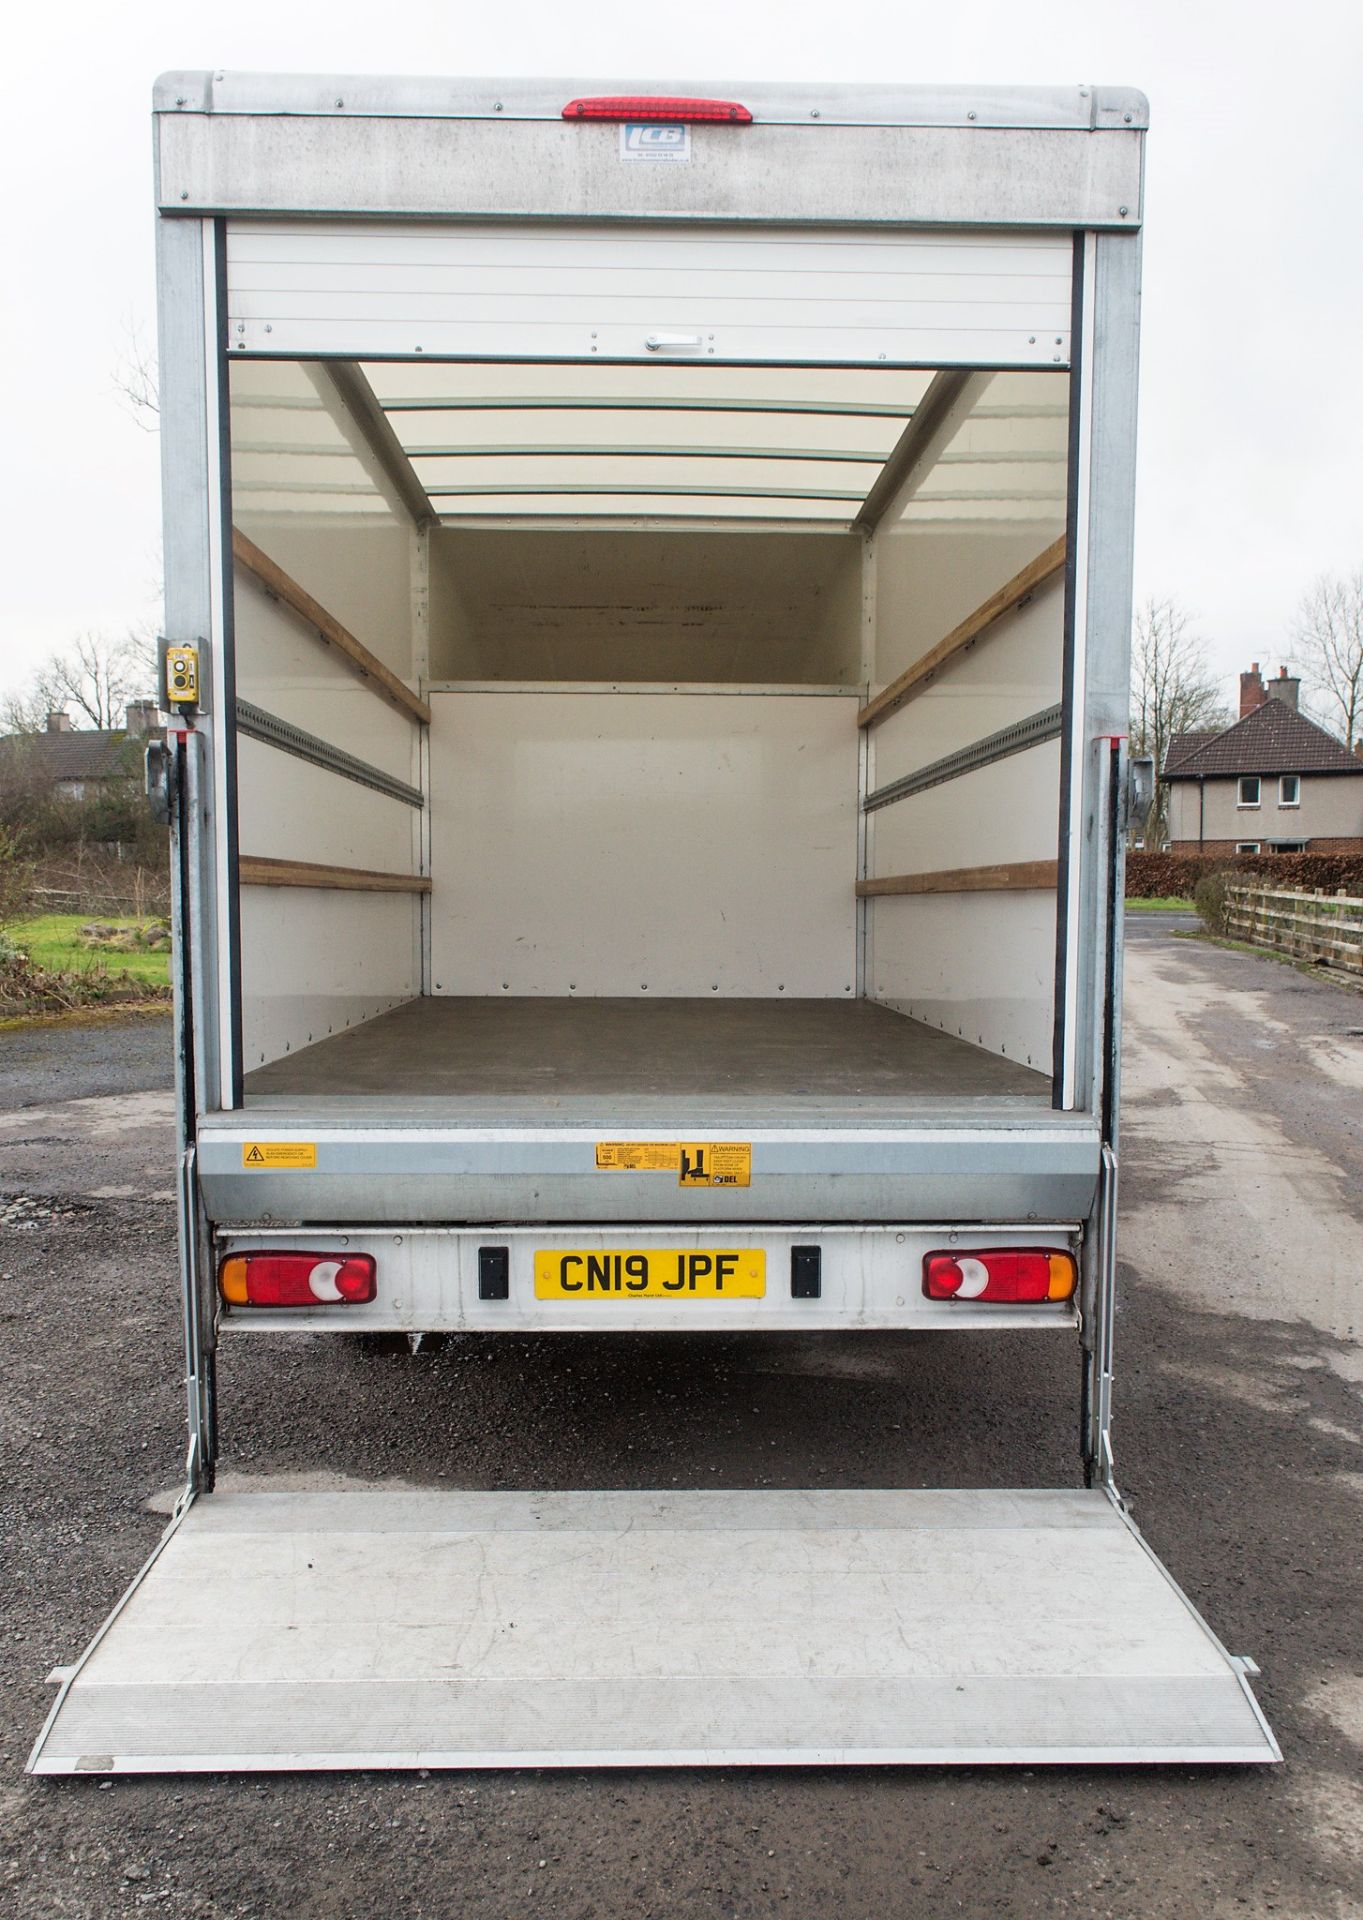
[(648, 592)]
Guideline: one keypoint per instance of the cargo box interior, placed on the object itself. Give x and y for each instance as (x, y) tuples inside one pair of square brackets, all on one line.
[(613, 736)]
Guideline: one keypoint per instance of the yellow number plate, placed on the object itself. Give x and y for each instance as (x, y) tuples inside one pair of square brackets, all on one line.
[(651, 1273)]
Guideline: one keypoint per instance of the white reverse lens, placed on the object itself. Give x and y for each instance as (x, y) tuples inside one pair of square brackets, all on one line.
[(322, 1280), (974, 1279)]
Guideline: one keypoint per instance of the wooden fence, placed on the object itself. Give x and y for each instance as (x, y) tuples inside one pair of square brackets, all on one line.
[(1322, 927)]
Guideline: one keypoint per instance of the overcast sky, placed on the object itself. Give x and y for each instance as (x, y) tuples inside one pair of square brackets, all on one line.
[(1252, 375)]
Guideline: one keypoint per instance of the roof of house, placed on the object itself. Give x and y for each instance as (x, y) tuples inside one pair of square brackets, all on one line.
[(77, 755), (1273, 738), (1183, 743)]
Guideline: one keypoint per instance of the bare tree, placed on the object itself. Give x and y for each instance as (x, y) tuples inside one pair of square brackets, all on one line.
[(1173, 690), (1328, 631), (96, 676), (136, 378)]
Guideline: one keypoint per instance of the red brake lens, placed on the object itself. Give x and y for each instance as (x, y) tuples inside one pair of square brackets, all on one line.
[(655, 108), (297, 1279), (1012, 1274)]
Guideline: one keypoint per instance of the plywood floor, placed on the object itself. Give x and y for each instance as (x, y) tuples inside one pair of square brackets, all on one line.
[(567, 1048)]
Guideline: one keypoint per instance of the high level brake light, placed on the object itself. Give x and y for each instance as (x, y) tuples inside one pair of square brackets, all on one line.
[(657, 108), (1012, 1274), (291, 1279)]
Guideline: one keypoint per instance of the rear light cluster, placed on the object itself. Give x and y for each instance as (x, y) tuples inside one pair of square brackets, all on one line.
[(1000, 1273), (657, 108), (297, 1279)]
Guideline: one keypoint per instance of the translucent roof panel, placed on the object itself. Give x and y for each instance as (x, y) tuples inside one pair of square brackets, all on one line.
[(475, 442), (293, 450), (587, 441), (1008, 462)]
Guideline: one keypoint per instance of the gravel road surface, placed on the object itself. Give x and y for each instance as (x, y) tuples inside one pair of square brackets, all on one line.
[(1238, 1435)]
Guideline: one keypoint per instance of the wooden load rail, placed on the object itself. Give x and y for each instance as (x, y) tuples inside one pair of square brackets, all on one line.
[(1326, 928), (975, 625), (284, 588), (257, 870), (1018, 876)]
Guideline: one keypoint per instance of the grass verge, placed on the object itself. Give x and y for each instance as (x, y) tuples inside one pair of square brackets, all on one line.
[(53, 942), (1162, 903), (48, 970)]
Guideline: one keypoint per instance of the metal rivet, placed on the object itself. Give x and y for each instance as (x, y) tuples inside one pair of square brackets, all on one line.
[(185, 194), (970, 116), (1059, 341), (1127, 118), (1031, 339), (268, 327), (180, 101), (340, 103), (813, 113), (497, 107), (1122, 212)]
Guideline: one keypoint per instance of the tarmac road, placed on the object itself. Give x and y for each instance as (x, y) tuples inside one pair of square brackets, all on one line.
[(1238, 1434)]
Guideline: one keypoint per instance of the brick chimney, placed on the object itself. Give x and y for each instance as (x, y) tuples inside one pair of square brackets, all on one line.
[(1252, 692), (141, 718), (1285, 688), (59, 722)]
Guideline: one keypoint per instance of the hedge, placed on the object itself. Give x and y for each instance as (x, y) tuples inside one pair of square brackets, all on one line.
[(1160, 876)]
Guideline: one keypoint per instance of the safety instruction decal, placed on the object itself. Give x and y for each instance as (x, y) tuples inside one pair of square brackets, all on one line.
[(279, 1153), (696, 1163)]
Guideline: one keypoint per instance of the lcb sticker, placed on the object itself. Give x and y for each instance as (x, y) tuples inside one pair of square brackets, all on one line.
[(645, 140)]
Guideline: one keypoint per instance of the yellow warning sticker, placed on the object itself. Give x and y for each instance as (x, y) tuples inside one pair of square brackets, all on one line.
[(279, 1153), (696, 1163)]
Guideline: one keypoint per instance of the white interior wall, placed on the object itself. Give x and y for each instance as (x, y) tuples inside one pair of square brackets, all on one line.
[(284, 668), (306, 489), (629, 843), (929, 576), (360, 573), (1011, 673), (977, 964), (317, 960), (705, 607)]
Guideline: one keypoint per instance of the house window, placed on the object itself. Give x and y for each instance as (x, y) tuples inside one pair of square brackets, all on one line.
[(1289, 790), (1248, 794), (1247, 846), (1287, 846)]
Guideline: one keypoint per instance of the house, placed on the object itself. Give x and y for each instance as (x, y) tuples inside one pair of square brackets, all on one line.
[(1275, 782), (68, 764)]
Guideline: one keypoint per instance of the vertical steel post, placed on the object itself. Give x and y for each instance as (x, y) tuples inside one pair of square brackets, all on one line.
[(1110, 348), (190, 399)]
